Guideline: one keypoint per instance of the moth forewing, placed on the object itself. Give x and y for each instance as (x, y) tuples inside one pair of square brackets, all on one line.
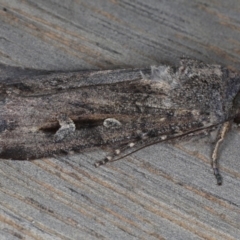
[(126, 109)]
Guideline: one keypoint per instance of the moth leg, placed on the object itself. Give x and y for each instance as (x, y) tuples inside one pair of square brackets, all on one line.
[(116, 152), (221, 135)]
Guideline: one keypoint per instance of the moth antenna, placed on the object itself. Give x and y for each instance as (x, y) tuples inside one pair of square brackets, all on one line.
[(221, 135), (103, 162), (116, 152), (159, 139), (163, 138)]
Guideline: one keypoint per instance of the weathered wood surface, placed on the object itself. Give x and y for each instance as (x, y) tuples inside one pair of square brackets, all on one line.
[(162, 192)]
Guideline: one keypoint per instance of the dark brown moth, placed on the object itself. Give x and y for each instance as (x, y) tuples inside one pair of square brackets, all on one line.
[(49, 114)]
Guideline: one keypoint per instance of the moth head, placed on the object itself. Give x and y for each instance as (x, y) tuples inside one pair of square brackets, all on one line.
[(236, 108)]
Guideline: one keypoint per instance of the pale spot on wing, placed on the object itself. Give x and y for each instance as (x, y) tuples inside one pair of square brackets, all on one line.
[(164, 137), (111, 123), (131, 144), (195, 114), (67, 128), (117, 151)]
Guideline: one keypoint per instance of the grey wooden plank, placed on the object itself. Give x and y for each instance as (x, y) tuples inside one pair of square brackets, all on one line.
[(166, 191), (110, 34)]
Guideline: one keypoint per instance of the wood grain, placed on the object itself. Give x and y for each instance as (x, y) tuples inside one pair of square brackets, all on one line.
[(165, 191)]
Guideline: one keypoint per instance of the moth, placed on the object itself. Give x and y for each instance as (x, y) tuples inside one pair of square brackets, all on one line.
[(53, 113)]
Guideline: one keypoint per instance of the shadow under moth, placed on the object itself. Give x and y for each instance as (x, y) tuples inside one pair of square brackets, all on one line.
[(48, 114)]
